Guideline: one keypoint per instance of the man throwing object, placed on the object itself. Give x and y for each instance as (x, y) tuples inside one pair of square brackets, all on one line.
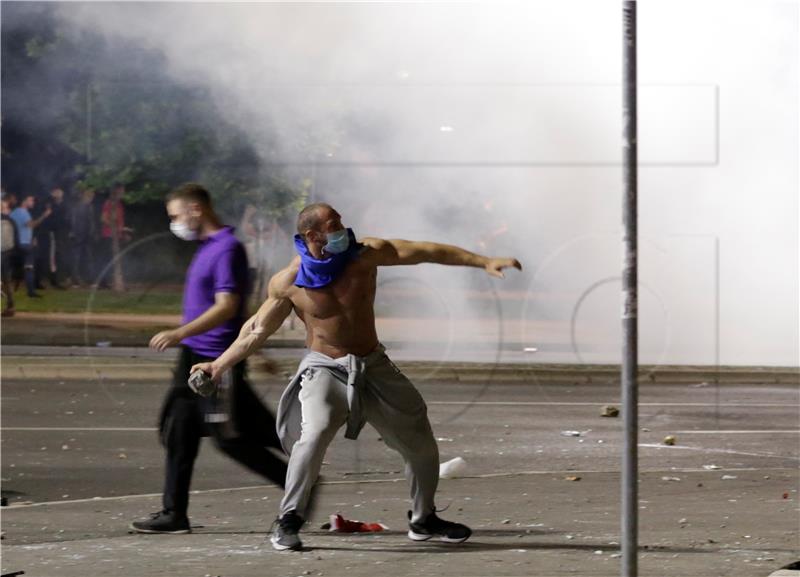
[(346, 379)]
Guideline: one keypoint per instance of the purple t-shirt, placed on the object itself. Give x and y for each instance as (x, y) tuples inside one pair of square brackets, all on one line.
[(218, 266)]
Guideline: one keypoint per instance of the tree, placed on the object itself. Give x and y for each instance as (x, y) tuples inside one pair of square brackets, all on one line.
[(82, 109)]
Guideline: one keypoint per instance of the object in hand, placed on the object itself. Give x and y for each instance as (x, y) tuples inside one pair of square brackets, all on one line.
[(200, 382)]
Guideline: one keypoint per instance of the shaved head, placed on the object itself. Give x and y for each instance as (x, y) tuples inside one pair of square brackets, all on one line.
[(313, 216)]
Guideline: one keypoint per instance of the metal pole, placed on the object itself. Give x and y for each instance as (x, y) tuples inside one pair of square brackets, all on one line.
[(630, 356)]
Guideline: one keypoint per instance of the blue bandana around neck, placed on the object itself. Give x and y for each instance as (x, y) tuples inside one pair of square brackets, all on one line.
[(317, 273)]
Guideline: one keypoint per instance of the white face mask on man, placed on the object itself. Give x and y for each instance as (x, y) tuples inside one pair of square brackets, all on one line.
[(182, 231), (338, 241)]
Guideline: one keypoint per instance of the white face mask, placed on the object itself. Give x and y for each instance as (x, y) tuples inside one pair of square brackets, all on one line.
[(338, 242), (182, 231)]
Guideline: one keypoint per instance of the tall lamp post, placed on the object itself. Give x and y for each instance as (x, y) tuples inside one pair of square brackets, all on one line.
[(630, 305)]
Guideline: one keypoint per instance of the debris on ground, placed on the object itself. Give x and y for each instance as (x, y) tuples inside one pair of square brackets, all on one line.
[(609, 411), (669, 440), (351, 473), (574, 433), (572, 478), (453, 468), (339, 524)]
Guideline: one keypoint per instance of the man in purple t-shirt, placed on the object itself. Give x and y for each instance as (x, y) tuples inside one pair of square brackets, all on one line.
[(213, 312)]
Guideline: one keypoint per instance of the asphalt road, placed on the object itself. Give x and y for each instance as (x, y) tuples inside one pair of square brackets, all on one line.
[(80, 460)]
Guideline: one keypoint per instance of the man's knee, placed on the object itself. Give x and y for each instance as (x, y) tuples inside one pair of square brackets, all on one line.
[(416, 443)]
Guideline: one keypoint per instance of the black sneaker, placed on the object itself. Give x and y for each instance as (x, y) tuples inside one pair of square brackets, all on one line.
[(433, 526), (163, 522), (286, 532)]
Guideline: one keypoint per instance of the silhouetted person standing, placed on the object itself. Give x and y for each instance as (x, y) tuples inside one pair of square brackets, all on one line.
[(83, 231), (10, 240), (113, 233), (26, 224), (53, 235)]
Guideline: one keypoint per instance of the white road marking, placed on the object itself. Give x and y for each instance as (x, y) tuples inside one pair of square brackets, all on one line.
[(600, 403), (734, 432), (274, 488), (726, 451), (101, 429), (688, 432)]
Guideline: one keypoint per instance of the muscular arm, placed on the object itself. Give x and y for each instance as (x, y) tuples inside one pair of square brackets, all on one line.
[(255, 331), (403, 252)]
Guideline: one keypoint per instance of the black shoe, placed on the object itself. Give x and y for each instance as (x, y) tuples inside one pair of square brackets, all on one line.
[(163, 522), (286, 532), (433, 526)]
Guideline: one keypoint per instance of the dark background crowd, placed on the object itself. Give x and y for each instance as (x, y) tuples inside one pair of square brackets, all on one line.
[(56, 241), (86, 113), (90, 240)]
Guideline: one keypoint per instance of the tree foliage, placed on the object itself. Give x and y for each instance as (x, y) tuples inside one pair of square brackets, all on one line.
[(80, 108)]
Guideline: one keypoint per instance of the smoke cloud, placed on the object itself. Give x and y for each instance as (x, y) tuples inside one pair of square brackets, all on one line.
[(495, 126)]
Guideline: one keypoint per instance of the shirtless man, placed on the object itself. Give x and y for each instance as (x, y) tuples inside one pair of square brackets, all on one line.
[(346, 378)]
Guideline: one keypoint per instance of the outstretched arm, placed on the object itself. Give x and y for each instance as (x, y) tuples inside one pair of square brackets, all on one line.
[(396, 252), (33, 223), (255, 331)]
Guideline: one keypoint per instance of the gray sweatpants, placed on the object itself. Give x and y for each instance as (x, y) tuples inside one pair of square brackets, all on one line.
[(391, 404)]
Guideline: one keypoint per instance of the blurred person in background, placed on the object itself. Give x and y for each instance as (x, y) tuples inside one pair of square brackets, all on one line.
[(53, 236), (9, 251), (26, 225), (83, 234), (266, 244), (113, 233)]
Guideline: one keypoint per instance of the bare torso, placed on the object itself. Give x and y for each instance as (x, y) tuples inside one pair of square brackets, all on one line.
[(339, 318)]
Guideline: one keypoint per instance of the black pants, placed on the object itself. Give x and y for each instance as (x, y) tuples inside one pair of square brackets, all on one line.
[(246, 436), (51, 259), (83, 268), (104, 270), (6, 274), (27, 254), (61, 255)]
